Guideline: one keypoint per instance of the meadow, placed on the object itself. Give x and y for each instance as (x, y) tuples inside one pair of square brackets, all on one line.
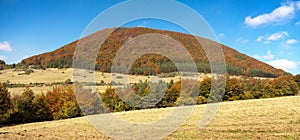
[(274, 118), (55, 75)]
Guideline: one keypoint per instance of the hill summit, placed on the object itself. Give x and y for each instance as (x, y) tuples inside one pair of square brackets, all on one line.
[(236, 62)]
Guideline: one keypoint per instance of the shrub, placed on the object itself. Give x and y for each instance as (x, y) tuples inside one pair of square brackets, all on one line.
[(62, 103), (171, 96), (23, 110), (5, 103), (88, 101), (42, 112)]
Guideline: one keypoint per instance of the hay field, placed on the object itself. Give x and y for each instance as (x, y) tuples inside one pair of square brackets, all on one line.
[(54, 75), (276, 118)]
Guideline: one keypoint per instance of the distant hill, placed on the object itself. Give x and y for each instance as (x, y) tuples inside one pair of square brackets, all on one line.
[(236, 63)]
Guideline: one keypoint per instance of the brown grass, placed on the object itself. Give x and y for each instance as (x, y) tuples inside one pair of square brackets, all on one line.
[(276, 118), (52, 75)]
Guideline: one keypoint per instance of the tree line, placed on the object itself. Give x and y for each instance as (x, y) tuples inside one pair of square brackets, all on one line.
[(61, 103)]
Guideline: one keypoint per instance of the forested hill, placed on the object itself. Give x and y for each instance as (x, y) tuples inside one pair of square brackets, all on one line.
[(236, 63)]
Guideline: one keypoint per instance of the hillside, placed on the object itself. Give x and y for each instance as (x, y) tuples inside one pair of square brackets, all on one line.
[(237, 63), (276, 118)]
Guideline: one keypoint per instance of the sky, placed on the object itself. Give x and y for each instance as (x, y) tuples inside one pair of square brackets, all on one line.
[(267, 30)]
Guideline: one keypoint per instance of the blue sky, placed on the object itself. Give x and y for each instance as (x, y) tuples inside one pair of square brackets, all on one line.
[(265, 29)]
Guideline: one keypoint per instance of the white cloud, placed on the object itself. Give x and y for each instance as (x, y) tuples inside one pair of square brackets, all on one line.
[(297, 23), (3, 57), (283, 64), (277, 36), (5, 46), (288, 43), (256, 56), (242, 40), (221, 35), (273, 37), (267, 42), (280, 14), (291, 41), (268, 56), (260, 38)]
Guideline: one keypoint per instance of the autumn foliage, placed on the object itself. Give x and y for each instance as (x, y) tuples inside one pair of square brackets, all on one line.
[(236, 63), (58, 103), (61, 103)]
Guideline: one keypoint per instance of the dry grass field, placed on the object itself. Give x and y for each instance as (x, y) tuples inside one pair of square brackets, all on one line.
[(38, 76), (53, 75), (276, 118)]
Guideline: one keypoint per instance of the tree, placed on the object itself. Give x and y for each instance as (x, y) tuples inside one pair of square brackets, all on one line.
[(62, 103), (54, 100), (268, 90), (2, 63), (285, 86), (88, 101), (24, 109), (26, 104), (111, 100), (204, 90), (5, 103), (189, 92), (297, 79), (171, 97), (257, 89), (234, 89), (42, 112)]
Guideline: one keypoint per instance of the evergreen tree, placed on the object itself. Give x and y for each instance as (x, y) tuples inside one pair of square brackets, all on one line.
[(24, 109), (5, 103), (42, 112)]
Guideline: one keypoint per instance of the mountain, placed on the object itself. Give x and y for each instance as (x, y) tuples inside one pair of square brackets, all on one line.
[(236, 63)]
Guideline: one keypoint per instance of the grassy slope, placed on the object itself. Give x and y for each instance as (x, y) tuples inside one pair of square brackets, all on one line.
[(52, 75), (276, 118)]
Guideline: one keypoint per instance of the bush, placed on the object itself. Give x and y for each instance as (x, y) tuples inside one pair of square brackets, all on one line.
[(37, 67), (23, 110), (62, 103), (88, 101), (42, 112), (235, 88), (5, 103), (171, 96), (68, 82)]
